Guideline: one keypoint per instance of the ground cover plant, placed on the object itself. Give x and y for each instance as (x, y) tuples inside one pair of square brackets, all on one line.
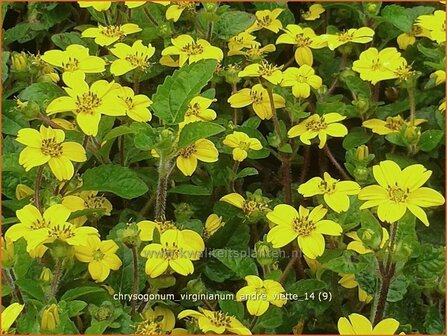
[(234, 167)]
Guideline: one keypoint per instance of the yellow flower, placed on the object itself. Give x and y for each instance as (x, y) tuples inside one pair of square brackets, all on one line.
[(134, 4), (147, 228), (304, 39), (438, 76), (375, 66), (100, 256), (9, 315), (203, 150), (258, 97), (360, 35), (88, 103), (131, 57), (135, 106), (249, 206), (50, 318), (19, 62), (106, 35), (259, 294), (156, 321), (399, 190), (46, 275), (435, 24), (253, 52), (8, 253), (75, 58), (406, 39), (320, 126), (215, 321), (349, 281), (97, 5), (48, 146), (389, 125), (176, 9), (241, 144), (192, 51), (336, 193), (23, 191), (169, 61), (360, 325), (198, 110), (212, 224), (266, 19), (306, 226), (313, 13), (358, 246), (442, 107), (269, 72), (86, 200), (176, 250), (301, 79), (241, 41)]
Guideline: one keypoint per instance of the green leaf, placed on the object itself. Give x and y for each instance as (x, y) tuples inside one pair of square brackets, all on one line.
[(145, 137), (75, 307), (357, 136), (63, 40), (232, 23), (430, 139), (173, 96), (78, 292), (32, 288), (97, 328), (189, 189), (237, 261), (41, 93), (398, 17), (249, 171), (358, 86), (396, 139), (118, 131), (271, 319), (116, 179), (398, 288), (434, 321), (344, 264), (198, 130), (304, 286), (232, 307)]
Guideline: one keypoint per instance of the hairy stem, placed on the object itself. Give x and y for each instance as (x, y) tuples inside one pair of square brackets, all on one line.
[(56, 279), (412, 102), (164, 170), (37, 187), (334, 161), (150, 17), (135, 280)]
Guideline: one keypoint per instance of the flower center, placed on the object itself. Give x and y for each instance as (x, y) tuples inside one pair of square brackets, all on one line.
[(303, 226), (302, 40), (39, 224), (61, 231), (94, 202), (244, 145), (316, 124), (404, 72), (220, 319), (188, 151), (257, 97), (267, 69), (138, 59), (376, 65), (98, 255), (193, 110), (71, 65), (394, 123), (51, 147), (345, 37), (265, 21), (193, 49), (128, 101), (327, 187), (171, 252), (87, 103), (254, 51), (112, 31), (166, 225), (397, 194), (148, 328)]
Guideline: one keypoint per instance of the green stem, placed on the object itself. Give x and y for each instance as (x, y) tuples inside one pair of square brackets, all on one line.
[(412, 102), (334, 161), (253, 322), (37, 187), (164, 170), (150, 17), (135, 279), (235, 168), (56, 279)]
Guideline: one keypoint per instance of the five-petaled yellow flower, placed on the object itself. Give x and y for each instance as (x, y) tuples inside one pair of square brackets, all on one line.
[(313, 13), (100, 256), (358, 246), (48, 146), (106, 35), (9, 315), (304, 39), (99, 6), (254, 51), (435, 24), (241, 41), (389, 125), (86, 200), (306, 226), (135, 106), (88, 103), (336, 193), (321, 126), (399, 190), (131, 57), (258, 97), (259, 294), (198, 110), (357, 324), (74, 58), (176, 250), (301, 80), (147, 228), (187, 49), (360, 35), (176, 8), (406, 39), (159, 320), (375, 66), (249, 206), (215, 321), (266, 19), (269, 72), (202, 150), (241, 144)]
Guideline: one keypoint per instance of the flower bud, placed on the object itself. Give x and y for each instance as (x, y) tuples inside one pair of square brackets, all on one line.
[(183, 211), (361, 104), (104, 312), (412, 134), (210, 6), (212, 224), (264, 253), (372, 8), (362, 153), (19, 62), (196, 286), (61, 250), (129, 236), (46, 275), (23, 191), (231, 74), (50, 318), (7, 253)]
